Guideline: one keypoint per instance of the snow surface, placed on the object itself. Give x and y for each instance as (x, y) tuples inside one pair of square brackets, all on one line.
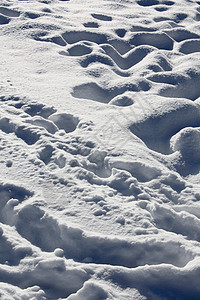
[(100, 149)]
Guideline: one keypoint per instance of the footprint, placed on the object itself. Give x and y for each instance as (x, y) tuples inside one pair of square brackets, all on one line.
[(168, 2), (197, 17), (44, 1), (64, 121), (90, 288), (181, 34), (161, 8), (158, 40), (36, 109), (60, 160), (140, 28), (147, 2), (46, 154), (97, 164), (190, 46), (91, 25), (121, 32), (57, 40), (101, 17), (72, 37), (6, 125), (27, 135), (32, 15), (9, 12), (47, 10), (178, 17), (168, 78), (121, 46), (121, 64), (93, 91), (4, 20), (80, 49), (161, 19)]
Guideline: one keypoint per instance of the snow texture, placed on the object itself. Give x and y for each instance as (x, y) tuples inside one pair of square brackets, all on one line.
[(100, 149)]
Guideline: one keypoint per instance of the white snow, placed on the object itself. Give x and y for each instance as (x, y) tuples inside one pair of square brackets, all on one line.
[(100, 149)]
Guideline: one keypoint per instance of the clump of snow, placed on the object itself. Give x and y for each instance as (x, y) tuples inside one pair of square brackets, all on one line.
[(187, 141)]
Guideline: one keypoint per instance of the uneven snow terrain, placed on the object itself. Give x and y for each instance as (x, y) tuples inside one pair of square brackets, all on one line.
[(100, 149)]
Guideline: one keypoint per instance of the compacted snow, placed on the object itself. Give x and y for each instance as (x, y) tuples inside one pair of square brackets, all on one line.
[(100, 149)]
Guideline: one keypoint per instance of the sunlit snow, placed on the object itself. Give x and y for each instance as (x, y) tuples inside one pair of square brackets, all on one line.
[(100, 149)]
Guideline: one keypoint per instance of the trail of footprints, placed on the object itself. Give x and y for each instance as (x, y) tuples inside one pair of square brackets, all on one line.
[(35, 123), (98, 52), (124, 57)]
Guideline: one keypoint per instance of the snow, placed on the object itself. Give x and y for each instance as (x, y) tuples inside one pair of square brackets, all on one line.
[(99, 141)]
